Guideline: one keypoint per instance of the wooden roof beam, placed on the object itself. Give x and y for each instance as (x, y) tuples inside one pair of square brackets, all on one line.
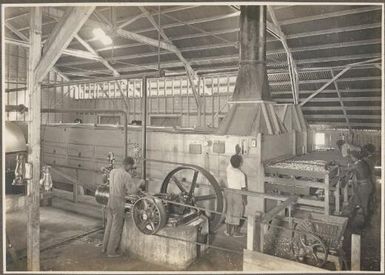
[(123, 23), (122, 33), (70, 52), (91, 50), (347, 68), (145, 40), (191, 74), (26, 39), (60, 38), (341, 102), (293, 74), (101, 60)]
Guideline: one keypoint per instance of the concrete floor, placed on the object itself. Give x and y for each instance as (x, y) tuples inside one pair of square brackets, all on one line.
[(56, 225), (84, 253)]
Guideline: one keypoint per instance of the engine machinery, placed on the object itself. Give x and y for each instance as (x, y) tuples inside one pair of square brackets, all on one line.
[(171, 206)]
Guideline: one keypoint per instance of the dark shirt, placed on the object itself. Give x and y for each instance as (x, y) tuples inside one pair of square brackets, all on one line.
[(362, 170), (371, 160)]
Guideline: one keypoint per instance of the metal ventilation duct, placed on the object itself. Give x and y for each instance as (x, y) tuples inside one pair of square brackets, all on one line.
[(252, 110), (252, 82)]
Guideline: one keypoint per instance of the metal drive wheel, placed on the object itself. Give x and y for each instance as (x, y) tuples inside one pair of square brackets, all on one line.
[(307, 247), (102, 193), (197, 187), (149, 215)]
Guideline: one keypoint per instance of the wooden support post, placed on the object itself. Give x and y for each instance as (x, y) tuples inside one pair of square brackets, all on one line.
[(173, 95), (34, 124), (327, 195), (144, 130), (218, 101), (260, 234), (134, 98), (75, 187), (157, 97), (165, 95), (346, 195), (250, 232), (337, 194), (188, 104), (356, 252), (199, 107), (260, 175), (61, 36), (212, 102), (294, 152), (181, 99)]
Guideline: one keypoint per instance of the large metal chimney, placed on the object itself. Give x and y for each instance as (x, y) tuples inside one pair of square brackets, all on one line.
[(252, 83), (252, 110)]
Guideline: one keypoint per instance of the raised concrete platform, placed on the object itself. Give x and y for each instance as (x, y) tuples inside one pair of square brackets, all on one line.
[(158, 249), (254, 261)]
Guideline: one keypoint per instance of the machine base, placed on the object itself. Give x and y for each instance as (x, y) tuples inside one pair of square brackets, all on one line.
[(163, 248)]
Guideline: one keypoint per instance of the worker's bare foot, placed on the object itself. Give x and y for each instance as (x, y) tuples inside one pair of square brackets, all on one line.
[(238, 235), (227, 233), (113, 255)]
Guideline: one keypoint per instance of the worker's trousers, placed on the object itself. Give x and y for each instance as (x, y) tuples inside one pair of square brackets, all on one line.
[(235, 208), (114, 226), (362, 193)]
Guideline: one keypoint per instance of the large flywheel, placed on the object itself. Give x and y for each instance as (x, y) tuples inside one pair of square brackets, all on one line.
[(149, 214), (199, 188)]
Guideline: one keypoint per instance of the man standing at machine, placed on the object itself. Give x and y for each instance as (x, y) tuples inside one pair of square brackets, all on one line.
[(121, 184), (362, 185), (345, 148), (236, 179)]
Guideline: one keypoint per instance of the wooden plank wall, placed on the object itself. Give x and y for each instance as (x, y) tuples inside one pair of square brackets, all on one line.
[(166, 97), (16, 64)]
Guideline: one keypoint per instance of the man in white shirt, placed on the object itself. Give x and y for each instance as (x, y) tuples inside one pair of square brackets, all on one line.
[(236, 179)]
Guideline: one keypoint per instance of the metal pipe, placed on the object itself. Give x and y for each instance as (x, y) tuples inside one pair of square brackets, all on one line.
[(15, 89), (106, 79), (144, 129), (96, 111), (16, 108)]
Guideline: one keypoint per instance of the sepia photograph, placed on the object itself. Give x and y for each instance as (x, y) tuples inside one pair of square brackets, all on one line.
[(192, 137)]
